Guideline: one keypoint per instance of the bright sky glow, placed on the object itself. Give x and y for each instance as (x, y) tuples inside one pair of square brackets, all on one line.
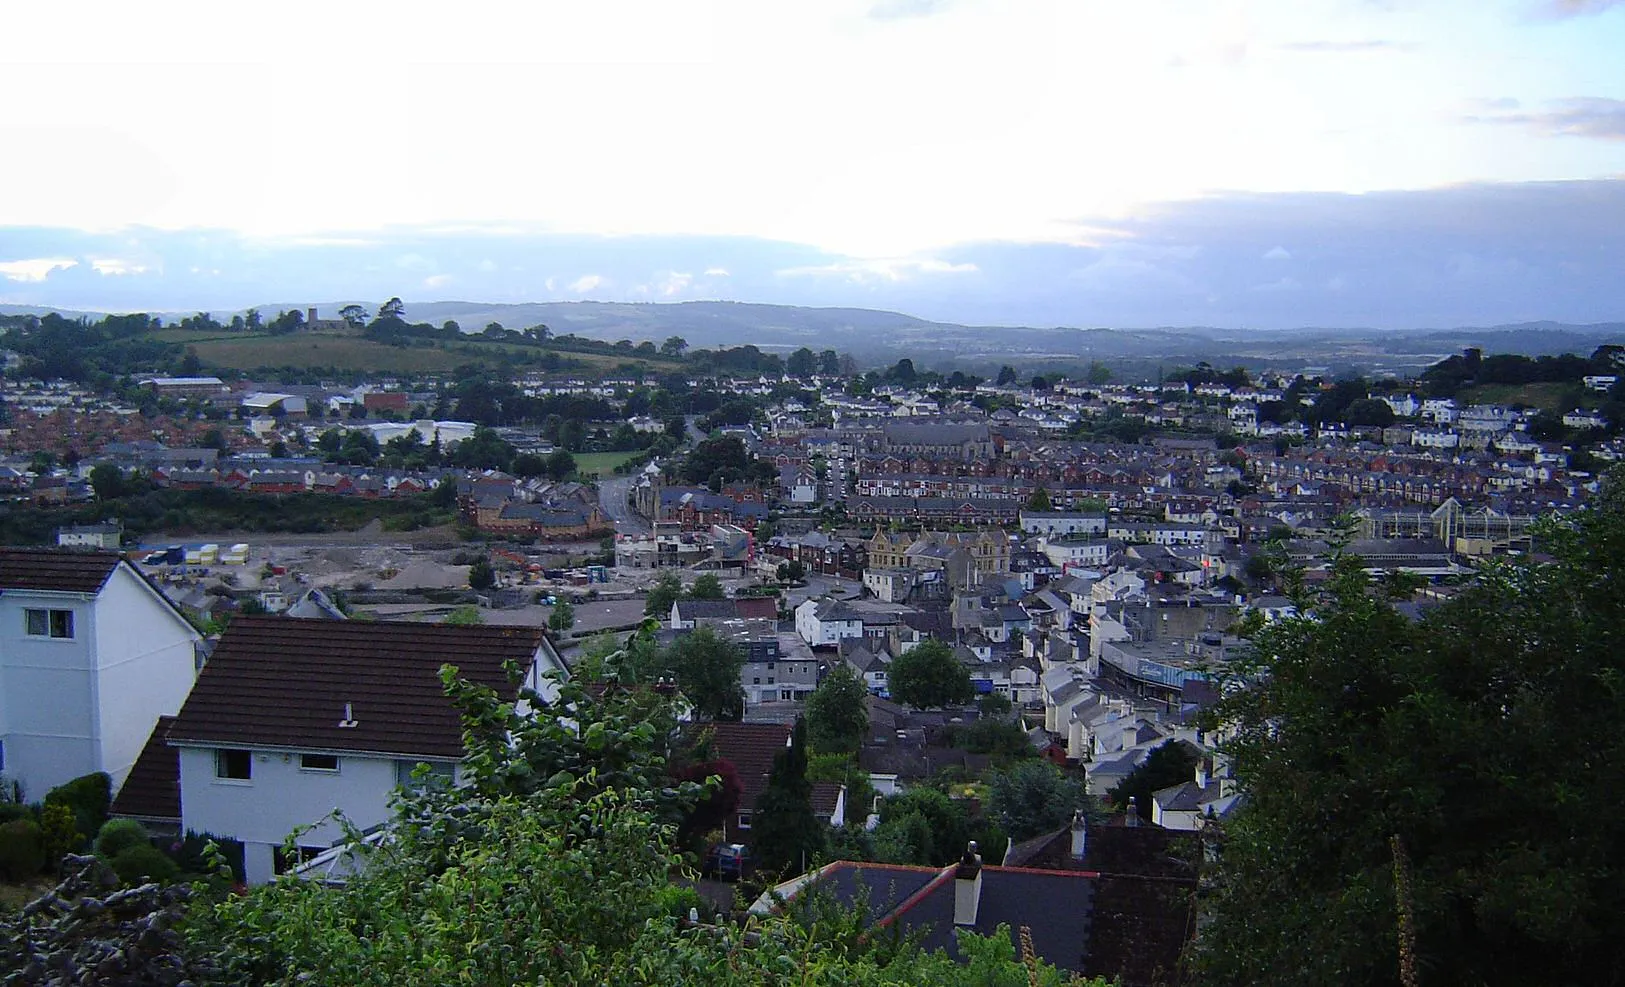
[(877, 130)]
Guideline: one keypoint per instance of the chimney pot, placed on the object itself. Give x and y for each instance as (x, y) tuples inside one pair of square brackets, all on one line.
[(1080, 835)]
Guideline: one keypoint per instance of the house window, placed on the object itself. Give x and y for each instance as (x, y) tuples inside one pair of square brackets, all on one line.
[(233, 765), (756, 681), (49, 623), (744, 820), (770, 680), (318, 762)]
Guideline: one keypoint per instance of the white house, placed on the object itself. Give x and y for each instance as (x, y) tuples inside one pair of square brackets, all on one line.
[(1076, 553), (293, 719), (91, 654), (105, 535), (1060, 524), (823, 623)]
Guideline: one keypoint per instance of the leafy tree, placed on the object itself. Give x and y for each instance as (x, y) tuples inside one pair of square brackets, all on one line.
[(1007, 376), (1039, 501), (563, 616), (802, 363), (355, 315), (994, 706), (829, 363), (792, 571), (785, 835), (465, 616), (673, 346), (929, 675), (1169, 764), (1389, 817), (1033, 797), (481, 576), (720, 803), (707, 669), (667, 589), (392, 309), (1369, 411), (922, 826), (706, 587), (838, 712), (107, 480)]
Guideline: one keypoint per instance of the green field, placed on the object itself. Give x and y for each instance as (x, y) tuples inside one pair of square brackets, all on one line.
[(250, 351), (1553, 397), (601, 463)]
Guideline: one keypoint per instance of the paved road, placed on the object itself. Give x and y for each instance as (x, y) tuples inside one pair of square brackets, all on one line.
[(613, 497)]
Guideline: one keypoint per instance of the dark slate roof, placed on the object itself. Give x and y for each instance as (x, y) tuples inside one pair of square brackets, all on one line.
[(69, 570), (750, 748), (1055, 906), (705, 609), (152, 790), (283, 682)]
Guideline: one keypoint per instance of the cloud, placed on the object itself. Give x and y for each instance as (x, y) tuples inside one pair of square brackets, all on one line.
[(895, 10), (1577, 8), (116, 266), (1277, 252), (887, 269), (1345, 47), (666, 285), (35, 269), (437, 280), (586, 283), (716, 272), (1585, 116)]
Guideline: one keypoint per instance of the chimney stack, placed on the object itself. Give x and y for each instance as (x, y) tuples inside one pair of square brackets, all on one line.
[(1080, 836), (310, 317), (1133, 817), (1204, 767), (968, 886)]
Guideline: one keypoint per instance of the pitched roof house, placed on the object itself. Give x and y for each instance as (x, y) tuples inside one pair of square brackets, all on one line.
[(91, 654), (292, 719)]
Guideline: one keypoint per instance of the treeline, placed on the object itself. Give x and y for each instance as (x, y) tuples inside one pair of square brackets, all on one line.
[(53, 347), (1472, 368), (147, 510)]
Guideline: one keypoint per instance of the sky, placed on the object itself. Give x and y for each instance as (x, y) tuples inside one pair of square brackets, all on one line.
[(1391, 163)]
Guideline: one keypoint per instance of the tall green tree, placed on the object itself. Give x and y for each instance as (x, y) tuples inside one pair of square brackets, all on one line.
[(786, 837), (706, 587), (1442, 792), (928, 675), (707, 669), (1169, 764), (562, 618), (838, 712), (667, 589), (1033, 797)]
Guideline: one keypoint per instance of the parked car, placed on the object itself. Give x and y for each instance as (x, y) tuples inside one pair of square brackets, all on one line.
[(726, 861)]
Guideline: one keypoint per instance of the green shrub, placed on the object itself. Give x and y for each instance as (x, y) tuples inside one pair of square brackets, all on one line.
[(22, 850), (89, 796), (12, 811), (59, 830), (144, 862), (118, 835)]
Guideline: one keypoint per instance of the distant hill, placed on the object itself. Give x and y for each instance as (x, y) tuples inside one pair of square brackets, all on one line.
[(878, 337)]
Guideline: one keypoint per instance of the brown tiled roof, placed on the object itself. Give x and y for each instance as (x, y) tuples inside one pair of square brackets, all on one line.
[(825, 796), (70, 570), (152, 790), (750, 748), (284, 681)]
